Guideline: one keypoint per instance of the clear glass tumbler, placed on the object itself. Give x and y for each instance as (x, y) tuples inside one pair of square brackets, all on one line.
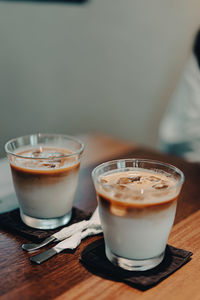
[(45, 170), (137, 205)]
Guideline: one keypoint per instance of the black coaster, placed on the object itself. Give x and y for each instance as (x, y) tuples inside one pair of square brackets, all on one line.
[(94, 259), (11, 221)]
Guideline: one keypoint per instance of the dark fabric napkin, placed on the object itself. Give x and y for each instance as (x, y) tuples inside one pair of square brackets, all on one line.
[(94, 259), (11, 221)]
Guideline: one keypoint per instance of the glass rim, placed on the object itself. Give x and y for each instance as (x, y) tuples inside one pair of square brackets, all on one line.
[(69, 137), (146, 160)]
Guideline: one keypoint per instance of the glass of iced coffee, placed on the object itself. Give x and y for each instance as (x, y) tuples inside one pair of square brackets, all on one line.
[(45, 170), (137, 205)]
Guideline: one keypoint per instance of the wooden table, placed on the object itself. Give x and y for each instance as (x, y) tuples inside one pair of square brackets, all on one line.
[(63, 276)]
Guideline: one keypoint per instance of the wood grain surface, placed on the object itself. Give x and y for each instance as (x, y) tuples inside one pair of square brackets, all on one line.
[(183, 284), (63, 277)]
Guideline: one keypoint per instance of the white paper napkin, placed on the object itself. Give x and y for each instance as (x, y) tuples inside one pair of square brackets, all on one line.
[(93, 222)]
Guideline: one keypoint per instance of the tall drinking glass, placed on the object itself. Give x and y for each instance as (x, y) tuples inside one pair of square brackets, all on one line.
[(137, 204), (45, 170)]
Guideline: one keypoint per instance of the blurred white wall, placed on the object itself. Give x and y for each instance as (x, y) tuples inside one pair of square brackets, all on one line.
[(106, 65)]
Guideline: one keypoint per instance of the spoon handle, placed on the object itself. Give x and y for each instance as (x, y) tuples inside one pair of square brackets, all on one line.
[(43, 256)]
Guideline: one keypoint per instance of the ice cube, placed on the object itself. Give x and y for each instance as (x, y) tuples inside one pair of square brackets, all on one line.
[(118, 210), (154, 178), (121, 187), (161, 185), (51, 163), (103, 180), (127, 180), (37, 153), (40, 153)]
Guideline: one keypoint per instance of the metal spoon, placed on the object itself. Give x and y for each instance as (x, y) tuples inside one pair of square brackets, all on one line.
[(33, 247), (65, 232)]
